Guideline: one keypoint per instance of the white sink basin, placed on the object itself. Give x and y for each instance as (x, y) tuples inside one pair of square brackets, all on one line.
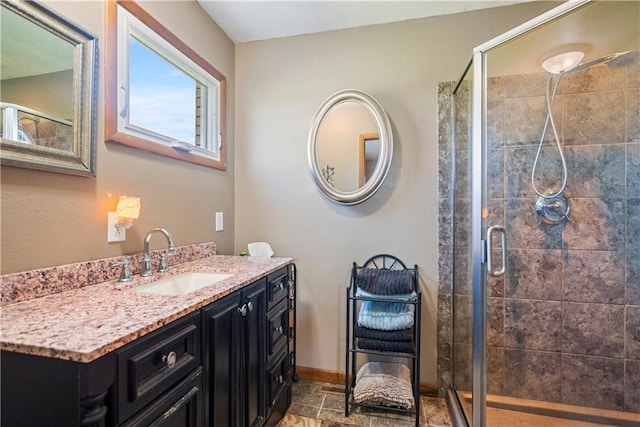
[(182, 284)]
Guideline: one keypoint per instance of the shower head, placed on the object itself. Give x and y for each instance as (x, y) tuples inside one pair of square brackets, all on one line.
[(563, 62), (613, 60), (624, 59)]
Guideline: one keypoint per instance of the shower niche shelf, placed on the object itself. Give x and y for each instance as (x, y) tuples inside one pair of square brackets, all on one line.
[(383, 337)]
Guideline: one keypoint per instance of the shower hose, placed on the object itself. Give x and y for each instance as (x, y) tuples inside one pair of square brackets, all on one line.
[(550, 96)]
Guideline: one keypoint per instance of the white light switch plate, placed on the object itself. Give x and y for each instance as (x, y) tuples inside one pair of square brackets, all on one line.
[(219, 221), (114, 234)]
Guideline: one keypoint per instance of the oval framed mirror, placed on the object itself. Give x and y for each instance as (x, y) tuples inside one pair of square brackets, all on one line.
[(350, 147)]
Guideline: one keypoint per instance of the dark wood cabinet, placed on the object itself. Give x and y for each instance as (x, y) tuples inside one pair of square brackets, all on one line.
[(280, 342), (43, 391), (234, 363), (228, 364)]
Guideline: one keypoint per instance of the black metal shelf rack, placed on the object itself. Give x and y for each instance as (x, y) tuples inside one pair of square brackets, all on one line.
[(382, 262)]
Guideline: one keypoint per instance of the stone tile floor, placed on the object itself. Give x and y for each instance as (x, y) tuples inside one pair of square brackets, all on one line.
[(316, 404)]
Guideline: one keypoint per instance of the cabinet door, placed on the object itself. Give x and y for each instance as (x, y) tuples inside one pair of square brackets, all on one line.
[(222, 327), (254, 354)]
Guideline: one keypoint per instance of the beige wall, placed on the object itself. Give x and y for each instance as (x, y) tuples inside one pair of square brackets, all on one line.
[(41, 93), (51, 219), (280, 84)]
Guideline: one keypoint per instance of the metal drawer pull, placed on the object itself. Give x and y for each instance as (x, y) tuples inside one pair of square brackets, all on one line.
[(170, 359), (503, 249)]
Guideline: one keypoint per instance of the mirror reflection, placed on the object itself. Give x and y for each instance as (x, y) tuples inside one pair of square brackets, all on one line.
[(368, 155), (48, 77), (340, 152), (36, 86), (350, 147)]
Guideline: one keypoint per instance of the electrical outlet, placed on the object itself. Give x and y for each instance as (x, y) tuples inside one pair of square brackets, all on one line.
[(114, 234), (219, 221)]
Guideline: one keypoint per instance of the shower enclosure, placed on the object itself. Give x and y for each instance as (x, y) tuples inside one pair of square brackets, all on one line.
[(539, 301)]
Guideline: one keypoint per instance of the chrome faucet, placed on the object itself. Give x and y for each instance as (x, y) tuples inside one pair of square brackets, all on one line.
[(146, 261)]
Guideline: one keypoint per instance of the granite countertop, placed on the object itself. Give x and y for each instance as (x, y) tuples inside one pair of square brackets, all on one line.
[(86, 323)]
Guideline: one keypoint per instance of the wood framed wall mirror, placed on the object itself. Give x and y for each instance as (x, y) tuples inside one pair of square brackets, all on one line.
[(48, 77), (161, 96), (350, 147)]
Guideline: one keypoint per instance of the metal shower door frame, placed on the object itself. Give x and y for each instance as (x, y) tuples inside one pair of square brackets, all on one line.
[(479, 225)]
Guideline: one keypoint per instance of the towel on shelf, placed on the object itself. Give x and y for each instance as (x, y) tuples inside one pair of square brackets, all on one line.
[(386, 316), (361, 293), (404, 335), (381, 383), (385, 282), (391, 346)]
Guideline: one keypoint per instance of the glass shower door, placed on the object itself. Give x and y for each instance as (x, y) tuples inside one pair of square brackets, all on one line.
[(462, 238)]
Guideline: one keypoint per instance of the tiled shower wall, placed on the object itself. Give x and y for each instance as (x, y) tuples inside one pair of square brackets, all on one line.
[(564, 321)]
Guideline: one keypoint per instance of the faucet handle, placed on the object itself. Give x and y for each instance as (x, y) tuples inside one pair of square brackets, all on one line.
[(164, 262), (145, 260), (125, 272)]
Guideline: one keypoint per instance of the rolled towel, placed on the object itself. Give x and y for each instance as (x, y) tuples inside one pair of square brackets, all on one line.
[(386, 316), (380, 383), (385, 282), (404, 335), (391, 346)]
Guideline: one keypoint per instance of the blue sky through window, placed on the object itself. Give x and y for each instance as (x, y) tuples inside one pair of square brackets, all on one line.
[(161, 96)]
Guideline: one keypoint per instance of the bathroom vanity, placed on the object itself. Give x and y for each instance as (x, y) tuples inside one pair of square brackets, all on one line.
[(111, 355)]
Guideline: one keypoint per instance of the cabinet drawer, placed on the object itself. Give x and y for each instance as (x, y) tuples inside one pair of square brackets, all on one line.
[(277, 380), (155, 362), (277, 287), (278, 327), (179, 406)]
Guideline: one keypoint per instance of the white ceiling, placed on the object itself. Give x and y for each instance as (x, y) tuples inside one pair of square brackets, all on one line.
[(251, 20)]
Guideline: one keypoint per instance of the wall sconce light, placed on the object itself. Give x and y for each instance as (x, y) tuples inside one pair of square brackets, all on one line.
[(127, 210)]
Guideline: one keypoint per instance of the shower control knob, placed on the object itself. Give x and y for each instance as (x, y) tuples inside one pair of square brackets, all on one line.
[(554, 210)]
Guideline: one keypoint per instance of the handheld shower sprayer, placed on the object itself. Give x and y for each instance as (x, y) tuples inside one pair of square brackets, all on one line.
[(552, 206)]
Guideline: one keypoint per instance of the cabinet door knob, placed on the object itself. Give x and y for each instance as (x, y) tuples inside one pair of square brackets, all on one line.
[(170, 359), (250, 306), (243, 310), (279, 330)]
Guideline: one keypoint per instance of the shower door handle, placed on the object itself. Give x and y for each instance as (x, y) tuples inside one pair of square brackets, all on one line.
[(503, 250)]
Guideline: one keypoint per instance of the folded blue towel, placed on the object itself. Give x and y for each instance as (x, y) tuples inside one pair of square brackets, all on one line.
[(386, 316)]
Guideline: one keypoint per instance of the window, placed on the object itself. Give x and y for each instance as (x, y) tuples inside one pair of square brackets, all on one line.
[(165, 99)]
